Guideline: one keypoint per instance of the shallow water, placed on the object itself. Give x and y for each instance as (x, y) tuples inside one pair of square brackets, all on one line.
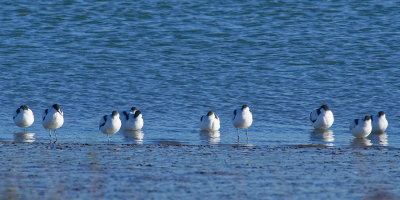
[(165, 171), (176, 60)]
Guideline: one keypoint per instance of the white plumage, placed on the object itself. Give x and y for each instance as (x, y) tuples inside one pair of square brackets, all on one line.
[(23, 117), (53, 118), (209, 122), (110, 124), (361, 128), (242, 118), (379, 122), (322, 118), (132, 120)]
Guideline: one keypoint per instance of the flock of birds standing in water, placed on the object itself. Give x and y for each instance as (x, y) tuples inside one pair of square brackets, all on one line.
[(131, 120)]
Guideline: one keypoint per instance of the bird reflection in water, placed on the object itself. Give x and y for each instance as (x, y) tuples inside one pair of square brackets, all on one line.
[(379, 139), (210, 137), (135, 136), (322, 135), (24, 137), (361, 142)]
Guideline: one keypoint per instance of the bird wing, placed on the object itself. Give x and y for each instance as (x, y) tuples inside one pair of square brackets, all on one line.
[(103, 121), (314, 115), (353, 123), (45, 113), (126, 115), (16, 113)]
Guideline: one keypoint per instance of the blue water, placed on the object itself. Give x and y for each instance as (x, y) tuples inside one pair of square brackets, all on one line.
[(175, 60)]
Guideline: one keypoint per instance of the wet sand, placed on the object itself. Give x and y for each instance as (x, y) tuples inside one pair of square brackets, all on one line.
[(176, 171)]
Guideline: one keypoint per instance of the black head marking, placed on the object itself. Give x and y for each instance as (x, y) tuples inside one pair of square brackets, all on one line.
[(105, 120), (381, 113), (137, 113), (133, 108), (24, 107), (114, 113), (210, 113), (367, 118), (244, 106), (325, 107), (356, 121), (126, 115), (56, 107)]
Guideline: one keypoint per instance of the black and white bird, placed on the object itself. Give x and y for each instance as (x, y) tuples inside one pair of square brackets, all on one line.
[(110, 124), (322, 118), (361, 128), (209, 122), (379, 122), (132, 120), (23, 117), (53, 119), (242, 119), (130, 111)]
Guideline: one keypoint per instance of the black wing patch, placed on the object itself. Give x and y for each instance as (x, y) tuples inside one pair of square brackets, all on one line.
[(105, 120), (318, 112), (313, 121), (17, 111), (45, 113), (201, 119), (126, 115), (234, 114), (356, 121)]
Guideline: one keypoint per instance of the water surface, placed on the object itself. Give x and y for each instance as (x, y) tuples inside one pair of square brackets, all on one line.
[(176, 60)]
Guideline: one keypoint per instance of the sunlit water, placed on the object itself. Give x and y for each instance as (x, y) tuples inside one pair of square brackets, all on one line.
[(176, 60)]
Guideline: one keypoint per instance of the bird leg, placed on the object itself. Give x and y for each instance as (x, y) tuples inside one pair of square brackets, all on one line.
[(247, 136), (50, 135), (55, 134)]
